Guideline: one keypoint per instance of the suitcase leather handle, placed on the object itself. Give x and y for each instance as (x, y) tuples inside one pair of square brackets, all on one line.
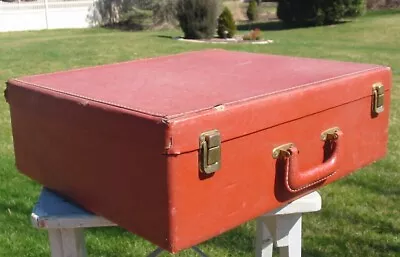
[(296, 180)]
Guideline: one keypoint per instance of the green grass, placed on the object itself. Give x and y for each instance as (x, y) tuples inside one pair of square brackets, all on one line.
[(361, 213)]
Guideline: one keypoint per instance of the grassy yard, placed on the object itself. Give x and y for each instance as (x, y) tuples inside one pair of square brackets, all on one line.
[(360, 215)]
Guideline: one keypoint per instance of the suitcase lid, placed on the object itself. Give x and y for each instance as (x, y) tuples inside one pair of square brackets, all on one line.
[(199, 91)]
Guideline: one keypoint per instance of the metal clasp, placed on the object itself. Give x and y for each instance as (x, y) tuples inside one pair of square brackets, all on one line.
[(330, 134), (282, 151), (378, 91), (210, 151)]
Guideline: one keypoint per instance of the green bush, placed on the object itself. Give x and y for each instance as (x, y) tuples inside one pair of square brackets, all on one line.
[(252, 11), (164, 13), (226, 24), (355, 7), (137, 19), (332, 11), (318, 12), (197, 18)]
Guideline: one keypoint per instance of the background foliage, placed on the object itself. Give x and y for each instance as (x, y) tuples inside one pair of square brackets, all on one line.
[(360, 214)]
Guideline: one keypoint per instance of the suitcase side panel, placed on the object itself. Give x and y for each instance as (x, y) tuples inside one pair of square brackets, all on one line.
[(251, 183), (108, 161)]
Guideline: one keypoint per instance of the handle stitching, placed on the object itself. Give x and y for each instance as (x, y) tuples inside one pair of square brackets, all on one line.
[(306, 186)]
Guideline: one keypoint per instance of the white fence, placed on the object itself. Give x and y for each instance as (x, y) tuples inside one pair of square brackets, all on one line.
[(45, 14)]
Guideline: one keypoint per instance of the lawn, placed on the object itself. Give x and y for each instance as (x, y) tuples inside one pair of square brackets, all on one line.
[(361, 213)]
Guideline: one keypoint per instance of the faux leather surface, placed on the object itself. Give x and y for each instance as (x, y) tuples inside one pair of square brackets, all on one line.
[(190, 82), (245, 118), (123, 142), (251, 183), (105, 159), (297, 180)]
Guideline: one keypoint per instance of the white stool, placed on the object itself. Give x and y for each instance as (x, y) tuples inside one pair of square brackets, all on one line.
[(65, 222), (282, 227)]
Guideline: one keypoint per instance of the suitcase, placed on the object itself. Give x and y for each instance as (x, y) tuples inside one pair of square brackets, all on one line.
[(179, 149)]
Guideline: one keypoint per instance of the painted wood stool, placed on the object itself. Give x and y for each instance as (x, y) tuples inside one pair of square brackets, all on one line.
[(282, 227), (66, 221)]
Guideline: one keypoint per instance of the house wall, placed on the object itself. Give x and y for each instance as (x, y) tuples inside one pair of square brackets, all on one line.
[(35, 16)]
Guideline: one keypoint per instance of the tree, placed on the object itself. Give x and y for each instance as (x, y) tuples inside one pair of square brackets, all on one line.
[(355, 7), (226, 24), (318, 12), (197, 18), (252, 11)]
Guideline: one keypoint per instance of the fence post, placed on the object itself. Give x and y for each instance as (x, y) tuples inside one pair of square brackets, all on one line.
[(46, 12)]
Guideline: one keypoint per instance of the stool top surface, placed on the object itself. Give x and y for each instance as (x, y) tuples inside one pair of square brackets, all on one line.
[(53, 211), (51, 203)]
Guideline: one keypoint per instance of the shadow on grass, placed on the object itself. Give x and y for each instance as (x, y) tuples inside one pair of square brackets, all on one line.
[(238, 240), (378, 224), (341, 245), (388, 188), (241, 240), (266, 26), (387, 247), (124, 27), (379, 185), (313, 253), (276, 26), (164, 36)]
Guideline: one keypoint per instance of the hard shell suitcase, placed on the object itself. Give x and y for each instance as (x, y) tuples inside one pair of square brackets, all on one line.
[(179, 149)]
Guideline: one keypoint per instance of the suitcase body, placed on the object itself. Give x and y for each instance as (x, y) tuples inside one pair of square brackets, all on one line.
[(179, 149)]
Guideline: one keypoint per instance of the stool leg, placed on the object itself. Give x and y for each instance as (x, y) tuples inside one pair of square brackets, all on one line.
[(73, 242), (264, 241), (288, 235), (56, 244), (67, 242)]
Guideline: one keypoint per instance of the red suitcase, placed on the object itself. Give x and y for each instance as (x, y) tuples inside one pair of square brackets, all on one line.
[(179, 149)]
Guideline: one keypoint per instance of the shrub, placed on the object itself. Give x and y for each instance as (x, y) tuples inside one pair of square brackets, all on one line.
[(331, 11), (318, 12), (127, 14), (142, 4), (197, 18), (137, 19), (226, 24), (252, 11), (164, 13), (355, 7)]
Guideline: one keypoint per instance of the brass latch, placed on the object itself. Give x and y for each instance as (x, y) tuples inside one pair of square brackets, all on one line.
[(378, 91), (210, 151), (282, 151), (330, 134)]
